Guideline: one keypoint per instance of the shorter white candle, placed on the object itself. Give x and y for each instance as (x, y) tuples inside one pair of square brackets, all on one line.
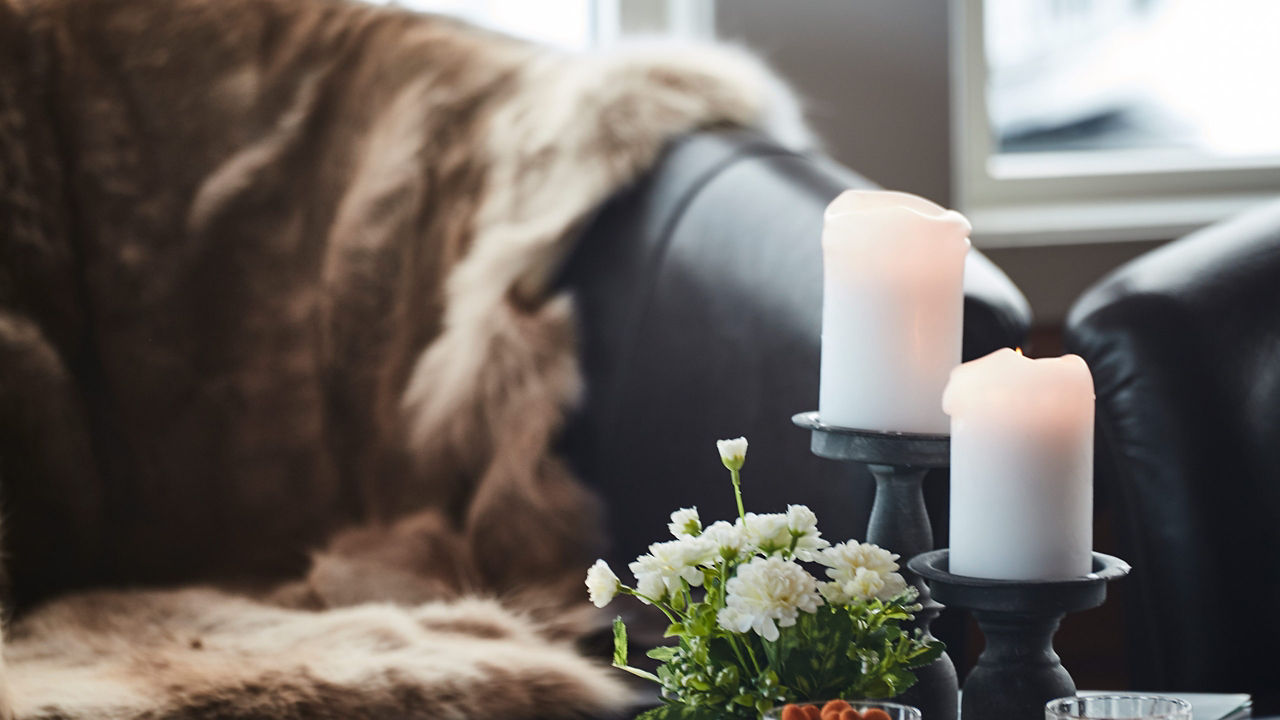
[(1021, 467), (892, 308)]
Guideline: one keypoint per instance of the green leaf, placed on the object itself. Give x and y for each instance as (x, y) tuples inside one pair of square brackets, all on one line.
[(931, 652), (664, 653), (699, 682), (619, 642), (728, 677), (898, 681), (701, 621), (674, 629), (680, 712)]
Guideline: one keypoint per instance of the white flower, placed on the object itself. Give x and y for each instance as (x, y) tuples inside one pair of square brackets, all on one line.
[(602, 584), (865, 584), (766, 532), (661, 571), (733, 453), (685, 523), (834, 593), (843, 560), (737, 620), (803, 526), (768, 593), (894, 585), (728, 538), (651, 581), (860, 571), (800, 519), (794, 531)]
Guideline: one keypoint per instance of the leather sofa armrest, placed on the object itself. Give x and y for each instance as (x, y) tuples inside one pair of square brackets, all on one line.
[(1184, 345)]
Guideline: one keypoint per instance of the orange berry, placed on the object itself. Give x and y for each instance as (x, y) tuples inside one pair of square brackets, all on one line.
[(792, 712), (811, 712), (835, 705), (875, 714), (850, 714)]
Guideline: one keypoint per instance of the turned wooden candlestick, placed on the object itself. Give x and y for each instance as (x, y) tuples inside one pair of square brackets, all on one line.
[(1018, 671), (899, 523)]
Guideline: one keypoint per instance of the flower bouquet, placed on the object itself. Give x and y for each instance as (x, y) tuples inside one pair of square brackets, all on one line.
[(753, 628)]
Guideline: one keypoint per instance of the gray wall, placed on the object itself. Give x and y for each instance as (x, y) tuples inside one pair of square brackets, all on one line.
[(873, 76), (1052, 277)]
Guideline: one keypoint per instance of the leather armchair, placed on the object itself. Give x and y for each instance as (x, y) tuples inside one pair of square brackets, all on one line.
[(699, 294), (1184, 345)]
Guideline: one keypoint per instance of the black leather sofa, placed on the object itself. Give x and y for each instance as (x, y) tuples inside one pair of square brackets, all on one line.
[(1184, 344), (699, 293)]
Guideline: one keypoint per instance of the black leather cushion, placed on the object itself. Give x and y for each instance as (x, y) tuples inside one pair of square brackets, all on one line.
[(1184, 345), (700, 296)]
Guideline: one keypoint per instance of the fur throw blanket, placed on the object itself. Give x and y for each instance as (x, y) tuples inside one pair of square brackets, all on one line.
[(276, 319)]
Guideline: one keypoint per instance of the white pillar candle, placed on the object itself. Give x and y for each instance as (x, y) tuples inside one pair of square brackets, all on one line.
[(892, 308), (1021, 467)]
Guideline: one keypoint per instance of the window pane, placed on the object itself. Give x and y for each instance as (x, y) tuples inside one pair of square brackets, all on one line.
[(1196, 77)]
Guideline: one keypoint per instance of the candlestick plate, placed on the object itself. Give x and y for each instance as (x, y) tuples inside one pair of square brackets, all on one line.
[(1018, 671), (913, 450), (1060, 596)]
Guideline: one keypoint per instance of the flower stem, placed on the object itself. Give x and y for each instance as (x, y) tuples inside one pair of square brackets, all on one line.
[(737, 651), (737, 492), (722, 592), (670, 613), (752, 653), (640, 673)]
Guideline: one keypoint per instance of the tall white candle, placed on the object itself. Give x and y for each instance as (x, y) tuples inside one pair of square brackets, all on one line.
[(1021, 467), (893, 272)]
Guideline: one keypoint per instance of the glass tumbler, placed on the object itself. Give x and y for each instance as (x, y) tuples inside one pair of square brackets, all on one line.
[(1117, 707)]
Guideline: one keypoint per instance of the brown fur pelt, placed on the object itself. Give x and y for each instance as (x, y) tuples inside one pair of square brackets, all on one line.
[(201, 654), (275, 275)]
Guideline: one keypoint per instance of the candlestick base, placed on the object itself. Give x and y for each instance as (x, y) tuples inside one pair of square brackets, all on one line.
[(1018, 671), (900, 523), (874, 447)]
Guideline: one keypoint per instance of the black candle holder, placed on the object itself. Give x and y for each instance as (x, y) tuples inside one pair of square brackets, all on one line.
[(899, 523), (1018, 671)]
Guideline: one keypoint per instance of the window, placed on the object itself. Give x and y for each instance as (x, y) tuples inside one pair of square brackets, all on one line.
[(577, 24), (1084, 120), (568, 24)]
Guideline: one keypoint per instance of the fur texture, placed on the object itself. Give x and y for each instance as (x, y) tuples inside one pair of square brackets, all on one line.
[(198, 653), (274, 275)]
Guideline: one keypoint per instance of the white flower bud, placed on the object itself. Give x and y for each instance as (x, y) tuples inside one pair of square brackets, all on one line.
[(802, 523), (733, 453), (728, 538), (685, 523), (766, 532), (602, 584)]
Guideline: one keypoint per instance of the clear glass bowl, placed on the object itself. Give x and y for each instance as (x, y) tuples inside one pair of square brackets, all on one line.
[(1115, 707), (891, 711)]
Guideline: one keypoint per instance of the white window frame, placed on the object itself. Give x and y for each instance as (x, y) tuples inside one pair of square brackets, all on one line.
[(681, 18), (1105, 197), (610, 20)]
